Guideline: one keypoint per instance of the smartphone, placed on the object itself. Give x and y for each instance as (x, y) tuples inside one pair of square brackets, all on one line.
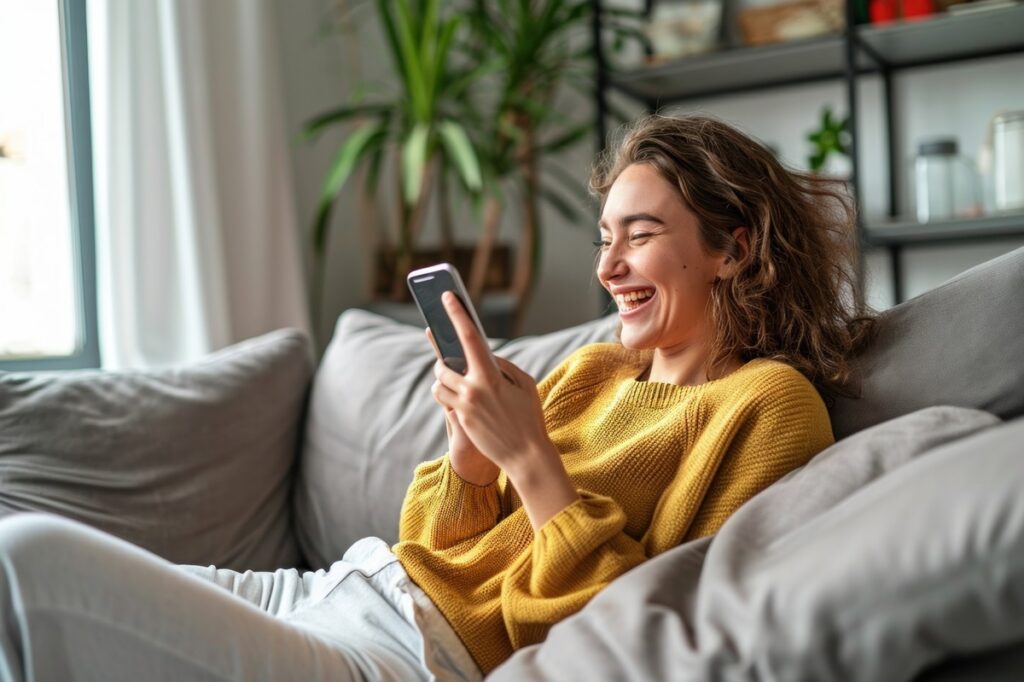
[(427, 285)]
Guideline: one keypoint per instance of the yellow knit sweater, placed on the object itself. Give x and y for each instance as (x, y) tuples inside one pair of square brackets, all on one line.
[(655, 465)]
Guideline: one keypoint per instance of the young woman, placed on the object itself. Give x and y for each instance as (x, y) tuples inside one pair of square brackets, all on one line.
[(732, 278)]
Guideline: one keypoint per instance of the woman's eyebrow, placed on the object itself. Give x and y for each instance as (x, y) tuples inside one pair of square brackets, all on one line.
[(633, 218)]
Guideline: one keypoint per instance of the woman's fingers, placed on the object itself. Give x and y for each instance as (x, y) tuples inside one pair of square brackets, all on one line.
[(478, 353), (430, 337), (444, 395), (447, 376)]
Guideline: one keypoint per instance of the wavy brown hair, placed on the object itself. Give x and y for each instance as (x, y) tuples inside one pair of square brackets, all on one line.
[(795, 297)]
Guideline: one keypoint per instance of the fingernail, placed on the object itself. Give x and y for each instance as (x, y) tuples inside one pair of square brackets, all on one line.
[(447, 297)]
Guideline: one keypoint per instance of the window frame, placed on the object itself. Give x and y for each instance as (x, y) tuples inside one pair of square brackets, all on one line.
[(78, 132)]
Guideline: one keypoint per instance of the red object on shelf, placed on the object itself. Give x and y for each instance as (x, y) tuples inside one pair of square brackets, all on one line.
[(918, 8), (883, 11)]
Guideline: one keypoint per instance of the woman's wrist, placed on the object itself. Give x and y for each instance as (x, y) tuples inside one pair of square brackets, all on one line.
[(542, 483), (477, 470)]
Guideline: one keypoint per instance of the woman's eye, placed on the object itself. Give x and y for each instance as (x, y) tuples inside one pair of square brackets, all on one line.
[(639, 235), (602, 244)]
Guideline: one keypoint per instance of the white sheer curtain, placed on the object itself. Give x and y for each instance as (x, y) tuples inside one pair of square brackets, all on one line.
[(197, 242)]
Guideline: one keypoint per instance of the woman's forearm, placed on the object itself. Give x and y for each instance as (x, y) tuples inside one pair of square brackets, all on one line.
[(543, 484)]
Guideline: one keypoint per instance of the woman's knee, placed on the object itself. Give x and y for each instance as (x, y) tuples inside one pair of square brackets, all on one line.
[(30, 536)]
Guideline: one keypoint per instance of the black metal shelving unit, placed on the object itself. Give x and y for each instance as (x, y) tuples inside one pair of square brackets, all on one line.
[(860, 50)]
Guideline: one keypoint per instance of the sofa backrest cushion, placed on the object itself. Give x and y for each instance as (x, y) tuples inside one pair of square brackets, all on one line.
[(961, 343), (192, 462), (372, 419)]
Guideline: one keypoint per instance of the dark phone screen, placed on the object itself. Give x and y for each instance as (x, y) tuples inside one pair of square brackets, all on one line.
[(427, 290)]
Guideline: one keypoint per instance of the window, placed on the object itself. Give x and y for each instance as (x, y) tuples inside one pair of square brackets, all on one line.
[(47, 261)]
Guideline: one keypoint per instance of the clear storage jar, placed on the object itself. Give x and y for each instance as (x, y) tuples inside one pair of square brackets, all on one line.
[(1008, 160), (945, 185)]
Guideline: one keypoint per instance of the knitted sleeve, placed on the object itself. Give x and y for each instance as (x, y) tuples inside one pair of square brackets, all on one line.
[(784, 430), (575, 555), (441, 509)]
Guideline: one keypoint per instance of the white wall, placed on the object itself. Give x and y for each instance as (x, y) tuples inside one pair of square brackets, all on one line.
[(318, 75), (955, 99)]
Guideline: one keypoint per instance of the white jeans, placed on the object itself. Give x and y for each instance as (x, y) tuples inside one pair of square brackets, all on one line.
[(80, 604)]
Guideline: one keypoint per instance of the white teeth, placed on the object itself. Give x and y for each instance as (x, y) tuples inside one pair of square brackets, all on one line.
[(626, 300)]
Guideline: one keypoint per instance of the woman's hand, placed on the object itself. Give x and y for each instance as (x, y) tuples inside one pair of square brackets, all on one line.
[(469, 463), (497, 407)]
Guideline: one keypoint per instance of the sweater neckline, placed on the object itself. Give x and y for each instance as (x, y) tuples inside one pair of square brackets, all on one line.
[(661, 394)]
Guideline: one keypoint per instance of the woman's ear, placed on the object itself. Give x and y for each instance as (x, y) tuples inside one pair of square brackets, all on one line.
[(730, 265), (740, 234)]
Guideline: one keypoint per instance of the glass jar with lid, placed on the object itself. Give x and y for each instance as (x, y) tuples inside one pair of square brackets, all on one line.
[(945, 183), (1008, 160)]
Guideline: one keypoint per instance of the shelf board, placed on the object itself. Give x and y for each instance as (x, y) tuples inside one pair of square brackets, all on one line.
[(911, 232), (737, 70), (942, 38), (947, 37)]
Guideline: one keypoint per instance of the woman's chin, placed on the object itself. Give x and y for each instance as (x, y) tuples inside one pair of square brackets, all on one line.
[(632, 340)]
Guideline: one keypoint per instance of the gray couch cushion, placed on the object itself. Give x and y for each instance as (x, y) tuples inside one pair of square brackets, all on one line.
[(891, 549), (372, 419), (961, 343), (193, 462)]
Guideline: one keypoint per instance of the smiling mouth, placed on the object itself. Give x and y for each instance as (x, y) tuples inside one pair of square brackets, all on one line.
[(634, 300)]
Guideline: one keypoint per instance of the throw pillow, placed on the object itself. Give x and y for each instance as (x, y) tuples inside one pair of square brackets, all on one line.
[(192, 462), (372, 419)]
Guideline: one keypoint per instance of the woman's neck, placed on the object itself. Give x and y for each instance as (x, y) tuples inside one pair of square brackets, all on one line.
[(686, 367)]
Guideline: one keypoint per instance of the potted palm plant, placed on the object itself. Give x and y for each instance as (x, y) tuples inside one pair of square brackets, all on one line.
[(417, 132), (516, 124), (476, 102), (537, 47)]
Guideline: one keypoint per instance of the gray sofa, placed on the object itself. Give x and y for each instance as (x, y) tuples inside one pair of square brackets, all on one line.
[(896, 554)]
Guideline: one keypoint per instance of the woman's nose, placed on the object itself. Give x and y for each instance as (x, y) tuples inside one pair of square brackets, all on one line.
[(611, 264)]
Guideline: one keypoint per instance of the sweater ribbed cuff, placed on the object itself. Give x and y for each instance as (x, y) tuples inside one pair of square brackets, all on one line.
[(578, 528), (463, 509)]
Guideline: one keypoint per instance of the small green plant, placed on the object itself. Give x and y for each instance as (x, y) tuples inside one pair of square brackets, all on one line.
[(832, 137)]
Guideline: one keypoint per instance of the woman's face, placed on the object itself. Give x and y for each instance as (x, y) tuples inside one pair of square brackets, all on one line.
[(653, 264)]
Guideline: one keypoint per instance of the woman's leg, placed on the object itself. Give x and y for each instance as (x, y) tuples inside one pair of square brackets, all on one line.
[(275, 592), (79, 604)]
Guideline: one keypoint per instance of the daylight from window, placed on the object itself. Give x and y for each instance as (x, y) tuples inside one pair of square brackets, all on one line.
[(37, 294)]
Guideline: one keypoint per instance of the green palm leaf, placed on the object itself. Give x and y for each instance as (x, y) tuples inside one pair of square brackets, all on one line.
[(415, 79), (316, 125), (460, 151), (414, 162), (352, 151)]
